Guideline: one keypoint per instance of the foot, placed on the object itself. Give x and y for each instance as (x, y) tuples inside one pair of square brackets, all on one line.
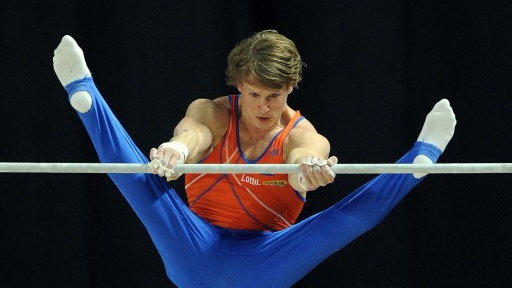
[(69, 62), (69, 65), (438, 130)]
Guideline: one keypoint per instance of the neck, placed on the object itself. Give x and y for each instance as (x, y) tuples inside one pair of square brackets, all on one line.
[(253, 132)]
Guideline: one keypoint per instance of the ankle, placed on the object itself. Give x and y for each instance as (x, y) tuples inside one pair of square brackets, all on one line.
[(426, 154)]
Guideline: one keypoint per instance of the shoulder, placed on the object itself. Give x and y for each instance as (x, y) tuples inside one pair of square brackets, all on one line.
[(305, 136), (208, 108), (212, 113), (304, 132), (203, 104), (223, 102)]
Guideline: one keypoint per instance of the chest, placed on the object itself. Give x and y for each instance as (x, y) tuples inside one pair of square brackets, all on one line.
[(253, 148)]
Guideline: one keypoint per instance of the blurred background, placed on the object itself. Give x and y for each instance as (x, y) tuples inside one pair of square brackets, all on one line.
[(374, 70)]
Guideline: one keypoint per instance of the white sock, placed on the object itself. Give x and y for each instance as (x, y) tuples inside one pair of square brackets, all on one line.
[(69, 62), (438, 130), (69, 65)]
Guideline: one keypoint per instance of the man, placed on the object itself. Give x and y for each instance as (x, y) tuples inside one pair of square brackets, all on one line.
[(258, 127), (239, 230)]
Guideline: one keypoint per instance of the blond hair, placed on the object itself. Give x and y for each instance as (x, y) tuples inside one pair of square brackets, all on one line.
[(268, 57)]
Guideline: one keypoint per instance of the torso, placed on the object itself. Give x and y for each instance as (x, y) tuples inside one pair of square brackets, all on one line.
[(249, 202), (251, 149)]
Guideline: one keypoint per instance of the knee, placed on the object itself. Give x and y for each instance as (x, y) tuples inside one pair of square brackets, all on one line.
[(81, 101)]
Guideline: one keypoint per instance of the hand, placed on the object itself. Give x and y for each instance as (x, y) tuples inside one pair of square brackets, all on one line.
[(169, 156), (316, 172)]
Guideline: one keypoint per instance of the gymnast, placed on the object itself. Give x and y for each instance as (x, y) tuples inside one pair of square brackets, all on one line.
[(239, 230)]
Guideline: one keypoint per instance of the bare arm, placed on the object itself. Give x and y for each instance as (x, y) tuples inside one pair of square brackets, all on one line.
[(193, 136), (194, 130)]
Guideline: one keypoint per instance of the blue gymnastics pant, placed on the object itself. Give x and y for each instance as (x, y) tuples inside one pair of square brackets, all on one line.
[(198, 254)]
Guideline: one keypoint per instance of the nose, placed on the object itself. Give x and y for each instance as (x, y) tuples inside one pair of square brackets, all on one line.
[(263, 107)]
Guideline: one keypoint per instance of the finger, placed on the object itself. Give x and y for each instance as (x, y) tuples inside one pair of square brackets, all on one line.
[(333, 160), (328, 174), (161, 172), (164, 172), (166, 156), (174, 160), (323, 175), (316, 161), (305, 176), (169, 171), (158, 154), (158, 165), (314, 173), (152, 153), (173, 176)]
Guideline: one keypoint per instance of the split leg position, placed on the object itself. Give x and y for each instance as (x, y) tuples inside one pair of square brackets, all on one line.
[(196, 253)]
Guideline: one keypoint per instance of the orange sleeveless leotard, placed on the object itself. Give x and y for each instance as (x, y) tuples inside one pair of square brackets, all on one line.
[(245, 201)]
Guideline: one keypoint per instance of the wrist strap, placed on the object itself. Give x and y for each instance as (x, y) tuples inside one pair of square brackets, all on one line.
[(178, 146)]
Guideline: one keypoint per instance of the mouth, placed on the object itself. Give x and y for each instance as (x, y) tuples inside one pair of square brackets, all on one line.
[(264, 119)]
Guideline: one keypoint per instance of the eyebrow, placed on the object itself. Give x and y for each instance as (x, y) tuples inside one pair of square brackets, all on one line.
[(278, 92)]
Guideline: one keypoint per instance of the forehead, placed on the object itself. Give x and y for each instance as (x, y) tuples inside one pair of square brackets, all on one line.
[(256, 86)]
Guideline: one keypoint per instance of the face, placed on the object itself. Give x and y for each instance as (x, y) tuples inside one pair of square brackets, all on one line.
[(261, 106)]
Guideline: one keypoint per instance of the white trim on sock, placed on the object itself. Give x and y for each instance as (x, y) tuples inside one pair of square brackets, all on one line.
[(81, 101), (421, 159)]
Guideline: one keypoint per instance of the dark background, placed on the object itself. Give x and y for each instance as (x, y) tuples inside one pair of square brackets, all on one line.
[(375, 69)]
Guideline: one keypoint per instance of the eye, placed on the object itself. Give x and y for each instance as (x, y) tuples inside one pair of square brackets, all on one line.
[(274, 95), (254, 94)]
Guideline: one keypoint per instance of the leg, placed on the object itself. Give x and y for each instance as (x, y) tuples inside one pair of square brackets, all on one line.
[(179, 235), (110, 140), (438, 130), (295, 251), (284, 257)]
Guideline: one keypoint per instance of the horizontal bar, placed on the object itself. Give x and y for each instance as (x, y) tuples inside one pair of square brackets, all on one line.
[(445, 168)]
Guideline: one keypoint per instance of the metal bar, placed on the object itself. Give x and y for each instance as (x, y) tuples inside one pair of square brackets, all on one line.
[(445, 168)]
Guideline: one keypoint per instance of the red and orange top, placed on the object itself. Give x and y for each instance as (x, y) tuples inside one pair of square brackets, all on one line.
[(245, 201)]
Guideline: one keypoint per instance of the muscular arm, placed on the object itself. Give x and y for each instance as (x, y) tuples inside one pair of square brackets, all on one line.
[(304, 145), (193, 130), (203, 121)]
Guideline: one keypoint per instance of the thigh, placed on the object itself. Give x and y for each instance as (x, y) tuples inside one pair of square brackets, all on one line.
[(113, 145), (179, 235), (282, 258)]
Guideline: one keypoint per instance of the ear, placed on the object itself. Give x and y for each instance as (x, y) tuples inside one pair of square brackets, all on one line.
[(289, 89), (239, 87)]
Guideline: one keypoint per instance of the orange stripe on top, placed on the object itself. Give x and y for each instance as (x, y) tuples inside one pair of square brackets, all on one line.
[(245, 201)]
